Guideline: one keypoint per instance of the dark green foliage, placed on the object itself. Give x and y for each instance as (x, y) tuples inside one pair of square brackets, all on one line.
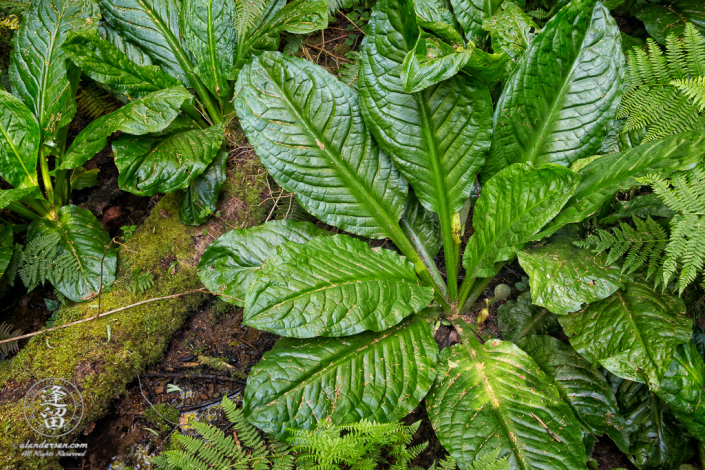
[(162, 416), (215, 450), (141, 281), (93, 101), (665, 93)]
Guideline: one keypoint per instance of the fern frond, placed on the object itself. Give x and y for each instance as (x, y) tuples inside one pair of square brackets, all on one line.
[(249, 14), (94, 102), (6, 332), (293, 43), (539, 14), (665, 93), (348, 73), (43, 259), (693, 88), (490, 461), (14, 7)]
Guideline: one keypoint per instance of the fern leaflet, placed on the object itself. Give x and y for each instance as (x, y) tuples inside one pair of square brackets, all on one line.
[(6, 332), (43, 259)]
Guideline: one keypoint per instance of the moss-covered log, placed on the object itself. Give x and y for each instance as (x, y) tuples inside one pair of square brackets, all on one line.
[(83, 355)]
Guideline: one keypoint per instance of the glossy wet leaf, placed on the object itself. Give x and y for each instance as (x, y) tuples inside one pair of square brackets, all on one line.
[(563, 277), (85, 237), (580, 385), (683, 388), (106, 63), (133, 52), (471, 13), (19, 142), (495, 395), (563, 93), (670, 17), (153, 26), (640, 206), (300, 383), (602, 178), (164, 163), (435, 16), (511, 30), (333, 286), (306, 128), (512, 207), (633, 334), (517, 319), (228, 263), (207, 27), (38, 63), (198, 201), (430, 62), (7, 247), (437, 137), (153, 113), (656, 438)]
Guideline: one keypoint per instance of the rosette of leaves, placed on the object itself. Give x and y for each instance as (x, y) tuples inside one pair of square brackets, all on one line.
[(143, 48), (355, 320)]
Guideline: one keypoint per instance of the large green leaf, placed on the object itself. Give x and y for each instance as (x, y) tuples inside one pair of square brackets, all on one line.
[(683, 388), (153, 25), (430, 62), (563, 277), (19, 142), (670, 17), (86, 239), (581, 385), (7, 247), (564, 92), (208, 31), (471, 14), (641, 206), (494, 395), (8, 196), (228, 263), (164, 163), (104, 62), (511, 31), (333, 286), (437, 137), (301, 383), (306, 127), (153, 113), (134, 53), (602, 178), (512, 207), (657, 440), (519, 319), (198, 201), (38, 63), (633, 334)]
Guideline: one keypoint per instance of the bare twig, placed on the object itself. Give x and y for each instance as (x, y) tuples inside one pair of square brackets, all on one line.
[(101, 315), (329, 53), (351, 21)]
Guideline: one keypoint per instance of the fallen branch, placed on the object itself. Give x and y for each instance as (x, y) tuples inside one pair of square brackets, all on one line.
[(101, 315)]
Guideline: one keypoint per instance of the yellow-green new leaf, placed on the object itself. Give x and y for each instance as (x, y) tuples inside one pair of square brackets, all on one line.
[(495, 395), (333, 286), (633, 334), (301, 383)]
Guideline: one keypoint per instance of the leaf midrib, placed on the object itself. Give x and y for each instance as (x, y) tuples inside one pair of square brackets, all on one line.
[(14, 150)]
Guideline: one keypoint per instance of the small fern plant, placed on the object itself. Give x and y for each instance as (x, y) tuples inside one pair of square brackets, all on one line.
[(42, 260), (244, 450), (679, 255), (665, 94)]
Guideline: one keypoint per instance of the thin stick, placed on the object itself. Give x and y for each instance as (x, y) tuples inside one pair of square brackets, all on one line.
[(274, 206), (329, 53), (36, 333), (351, 21)]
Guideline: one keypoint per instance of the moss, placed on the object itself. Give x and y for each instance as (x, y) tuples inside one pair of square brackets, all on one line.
[(82, 354), (162, 416)]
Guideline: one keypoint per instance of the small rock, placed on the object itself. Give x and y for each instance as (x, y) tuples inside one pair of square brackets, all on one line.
[(158, 389), (215, 394), (164, 213), (203, 396), (211, 388)]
